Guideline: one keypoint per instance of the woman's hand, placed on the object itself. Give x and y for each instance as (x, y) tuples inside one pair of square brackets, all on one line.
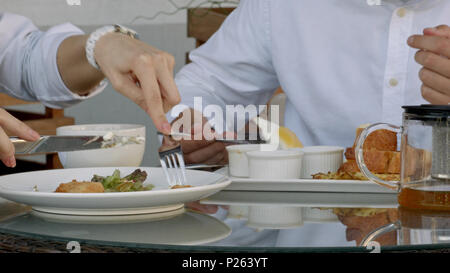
[(141, 72), (135, 69), (434, 56), (12, 126)]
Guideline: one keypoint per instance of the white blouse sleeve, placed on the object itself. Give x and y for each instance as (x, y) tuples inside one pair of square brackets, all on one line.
[(28, 65)]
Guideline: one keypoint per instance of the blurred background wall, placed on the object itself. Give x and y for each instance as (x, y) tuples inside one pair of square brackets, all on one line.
[(161, 23)]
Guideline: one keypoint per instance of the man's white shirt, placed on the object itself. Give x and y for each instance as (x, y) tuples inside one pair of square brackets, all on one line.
[(28, 62), (340, 63)]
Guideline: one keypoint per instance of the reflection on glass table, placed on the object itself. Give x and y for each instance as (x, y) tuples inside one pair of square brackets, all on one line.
[(335, 227), (286, 219), (186, 228), (303, 219), (251, 221), (415, 227)]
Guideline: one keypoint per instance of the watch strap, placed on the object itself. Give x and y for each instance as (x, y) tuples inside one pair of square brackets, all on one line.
[(98, 33)]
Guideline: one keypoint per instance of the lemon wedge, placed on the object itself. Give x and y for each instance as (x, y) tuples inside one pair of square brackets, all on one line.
[(277, 135), (288, 139)]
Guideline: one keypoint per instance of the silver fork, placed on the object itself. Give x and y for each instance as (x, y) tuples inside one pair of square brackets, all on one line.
[(172, 162)]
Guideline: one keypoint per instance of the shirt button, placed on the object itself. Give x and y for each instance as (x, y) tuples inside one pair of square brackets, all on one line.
[(401, 12), (393, 82)]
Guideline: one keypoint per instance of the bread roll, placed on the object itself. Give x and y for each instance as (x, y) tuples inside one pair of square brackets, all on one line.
[(376, 161), (394, 165), (382, 140)]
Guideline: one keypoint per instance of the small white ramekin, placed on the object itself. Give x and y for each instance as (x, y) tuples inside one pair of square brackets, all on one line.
[(237, 158), (274, 217), (279, 164), (320, 159)]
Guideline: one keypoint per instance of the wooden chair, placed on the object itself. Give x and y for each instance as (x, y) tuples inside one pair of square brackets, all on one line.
[(44, 124), (202, 23)]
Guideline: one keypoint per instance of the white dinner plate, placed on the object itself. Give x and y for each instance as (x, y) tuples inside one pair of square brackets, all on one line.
[(20, 188)]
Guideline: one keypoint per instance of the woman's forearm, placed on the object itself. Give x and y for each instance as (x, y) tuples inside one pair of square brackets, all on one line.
[(76, 72)]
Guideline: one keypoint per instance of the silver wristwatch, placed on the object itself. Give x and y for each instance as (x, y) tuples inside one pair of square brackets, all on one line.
[(93, 38)]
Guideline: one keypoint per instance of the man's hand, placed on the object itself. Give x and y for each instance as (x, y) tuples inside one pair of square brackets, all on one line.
[(434, 56), (12, 126), (201, 146), (203, 150), (141, 72)]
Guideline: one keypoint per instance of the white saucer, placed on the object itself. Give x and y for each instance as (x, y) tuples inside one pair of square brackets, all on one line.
[(108, 212), (108, 219)]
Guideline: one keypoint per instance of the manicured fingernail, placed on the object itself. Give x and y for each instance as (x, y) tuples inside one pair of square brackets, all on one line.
[(33, 134), (430, 30), (10, 161)]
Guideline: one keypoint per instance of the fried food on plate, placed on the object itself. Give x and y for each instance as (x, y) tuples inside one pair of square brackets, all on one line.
[(342, 175), (113, 183), (80, 187)]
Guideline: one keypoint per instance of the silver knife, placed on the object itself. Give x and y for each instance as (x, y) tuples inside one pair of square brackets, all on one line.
[(53, 144), (229, 141)]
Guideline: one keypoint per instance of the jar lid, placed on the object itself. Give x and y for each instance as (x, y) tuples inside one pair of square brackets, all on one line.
[(428, 110)]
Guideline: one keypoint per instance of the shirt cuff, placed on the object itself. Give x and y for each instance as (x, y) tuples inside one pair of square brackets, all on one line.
[(62, 96)]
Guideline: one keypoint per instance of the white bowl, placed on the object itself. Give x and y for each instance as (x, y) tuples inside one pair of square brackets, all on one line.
[(237, 158), (127, 155), (280, 164), (274, 217), (320, 159)]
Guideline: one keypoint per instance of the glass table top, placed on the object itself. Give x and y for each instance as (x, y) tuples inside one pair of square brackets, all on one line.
[(249, 220)]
